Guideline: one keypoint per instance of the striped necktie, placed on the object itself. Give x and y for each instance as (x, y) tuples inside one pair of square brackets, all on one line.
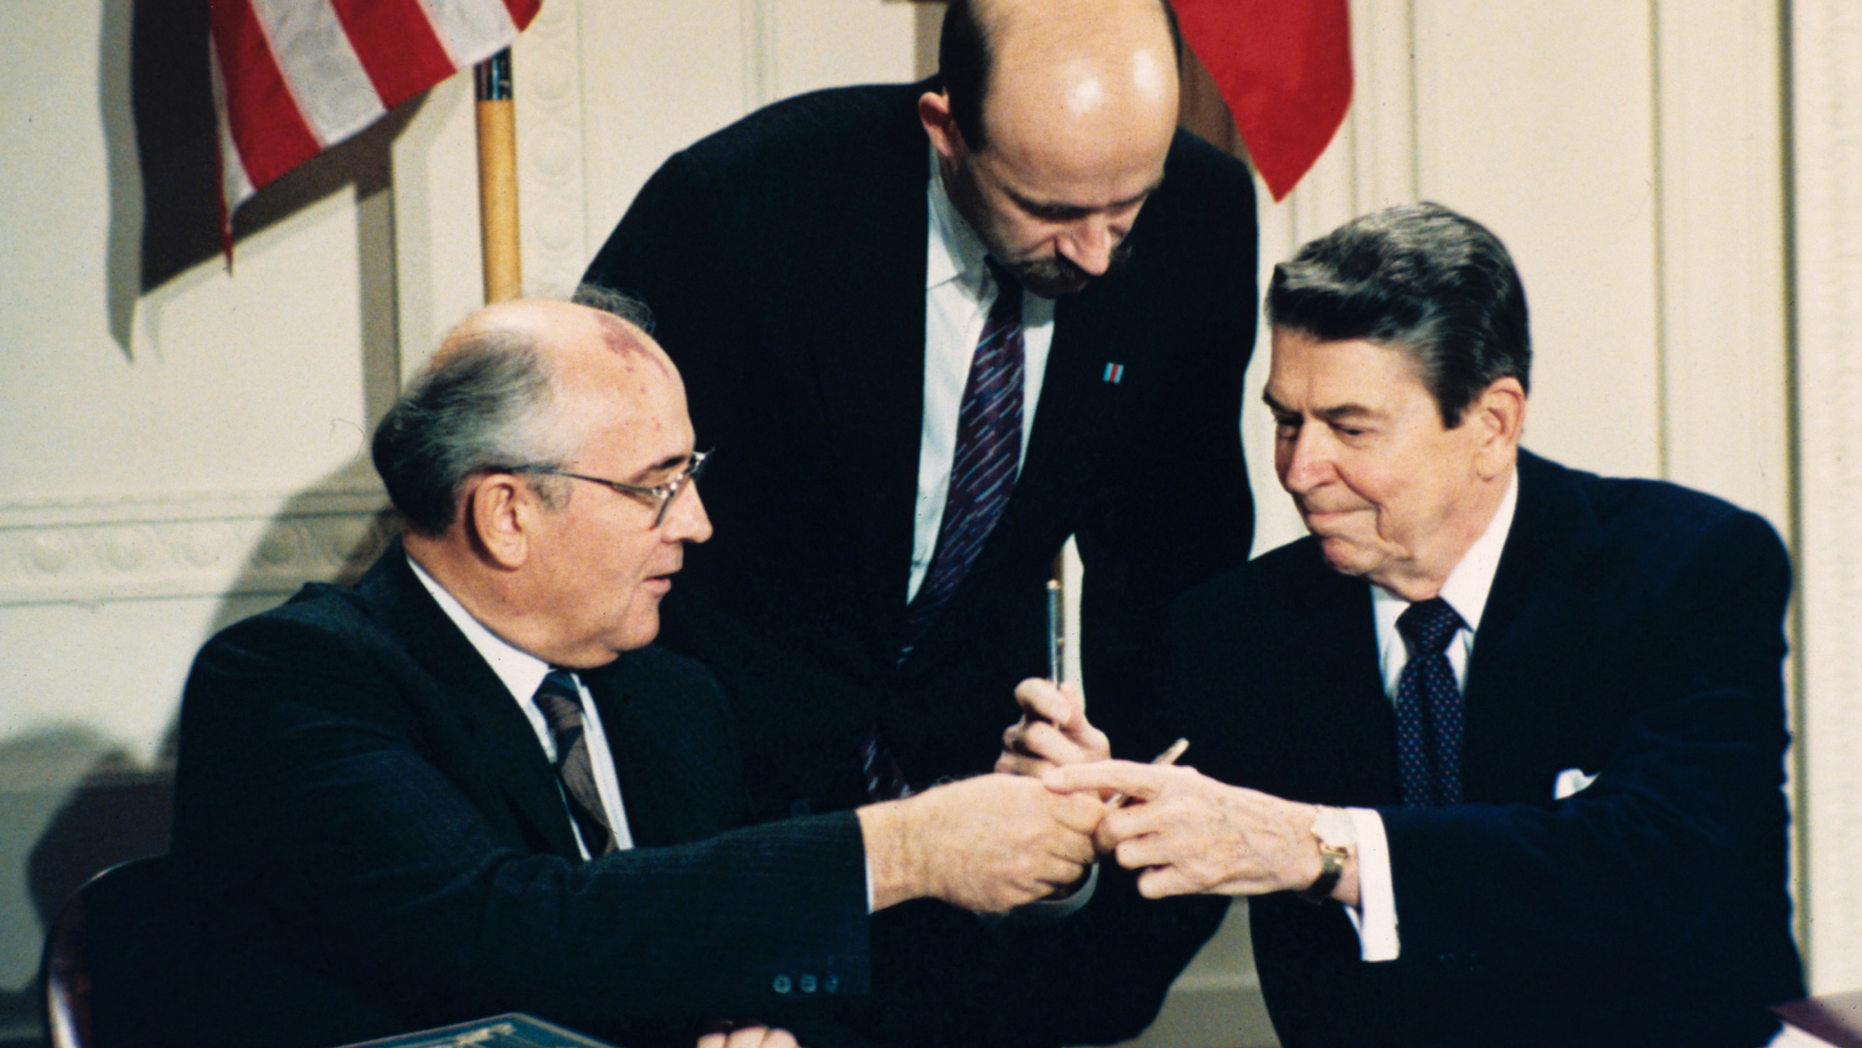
[(986, 459), (560, 700)]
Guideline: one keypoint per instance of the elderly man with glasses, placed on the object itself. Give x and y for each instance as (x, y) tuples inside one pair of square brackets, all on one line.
[(471, 784)]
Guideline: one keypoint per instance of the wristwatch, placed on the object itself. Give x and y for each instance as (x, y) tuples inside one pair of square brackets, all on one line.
[(1336, 836)]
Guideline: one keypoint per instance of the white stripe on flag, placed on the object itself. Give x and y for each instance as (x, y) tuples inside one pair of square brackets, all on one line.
[(235, 187), (471, 30), (332, 90)]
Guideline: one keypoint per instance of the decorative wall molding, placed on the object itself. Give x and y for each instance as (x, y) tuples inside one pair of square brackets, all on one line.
[(552, 191), (759, 53), (100, 550), (1826, 111)]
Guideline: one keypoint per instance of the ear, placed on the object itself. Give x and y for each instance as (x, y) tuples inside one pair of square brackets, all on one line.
[(934, 114), (497, 510), (1500, 415)]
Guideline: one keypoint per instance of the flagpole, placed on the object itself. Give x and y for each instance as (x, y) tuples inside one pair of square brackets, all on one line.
[(497, 179)]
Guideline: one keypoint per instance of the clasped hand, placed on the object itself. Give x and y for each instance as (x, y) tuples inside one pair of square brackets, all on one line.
[(1187, 832)]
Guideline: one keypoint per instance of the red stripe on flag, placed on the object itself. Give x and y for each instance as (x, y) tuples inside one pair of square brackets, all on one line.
[(1284, 68), (262, 118), (396, 44), (522, 11)]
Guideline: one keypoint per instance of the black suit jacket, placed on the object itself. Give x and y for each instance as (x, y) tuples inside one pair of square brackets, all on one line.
[(1634, 631), (371, 840), (784, 260)]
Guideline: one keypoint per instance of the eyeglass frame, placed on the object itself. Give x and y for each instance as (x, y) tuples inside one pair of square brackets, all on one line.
[(665, 493)]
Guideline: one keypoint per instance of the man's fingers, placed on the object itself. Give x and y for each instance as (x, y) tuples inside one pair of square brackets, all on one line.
[(1019, 764), (757, 1037), (1137, 781), (1040, 698), (1161, 881), (1079, 812)]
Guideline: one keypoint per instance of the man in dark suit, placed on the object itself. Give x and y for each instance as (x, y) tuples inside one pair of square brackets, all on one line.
[(822, 272), (470, 785), (1548, 704)]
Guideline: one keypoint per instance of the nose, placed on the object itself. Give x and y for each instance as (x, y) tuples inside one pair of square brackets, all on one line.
[(1302, 460), (686, 519), (1090, 242)]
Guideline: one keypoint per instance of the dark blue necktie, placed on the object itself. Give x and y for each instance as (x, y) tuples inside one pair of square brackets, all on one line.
[(986, 458), (560, 700), (1428, 706)]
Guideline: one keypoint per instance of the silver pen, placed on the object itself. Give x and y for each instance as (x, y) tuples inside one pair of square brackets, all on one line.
[(1056, 631)]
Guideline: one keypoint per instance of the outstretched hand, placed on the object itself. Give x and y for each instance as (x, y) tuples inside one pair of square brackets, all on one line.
[(1191, 834), (754, 1036), (989, 843)]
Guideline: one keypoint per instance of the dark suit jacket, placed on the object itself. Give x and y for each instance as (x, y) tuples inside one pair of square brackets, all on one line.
[(784, 259), (373, 841), (1634, 630)]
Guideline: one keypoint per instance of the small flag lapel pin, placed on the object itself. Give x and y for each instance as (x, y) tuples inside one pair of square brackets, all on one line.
[(1114, 372)]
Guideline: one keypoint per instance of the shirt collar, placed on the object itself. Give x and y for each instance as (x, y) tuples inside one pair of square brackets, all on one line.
[(1468, 584), (520, 671), (955, 252)]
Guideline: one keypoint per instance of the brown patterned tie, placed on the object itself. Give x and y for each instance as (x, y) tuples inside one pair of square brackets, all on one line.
[(561, 702)]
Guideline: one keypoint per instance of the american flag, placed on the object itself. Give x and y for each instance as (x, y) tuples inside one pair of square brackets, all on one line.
[(293, 77)]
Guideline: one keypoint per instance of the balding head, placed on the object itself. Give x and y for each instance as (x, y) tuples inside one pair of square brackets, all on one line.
[(542, 462), (1051, 142), (976, 34), (494, 395)]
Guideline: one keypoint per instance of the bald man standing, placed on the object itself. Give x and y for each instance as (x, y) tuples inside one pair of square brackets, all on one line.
[(837, 277)]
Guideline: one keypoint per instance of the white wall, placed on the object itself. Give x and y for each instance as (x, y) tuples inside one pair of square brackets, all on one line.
[(177, 460)]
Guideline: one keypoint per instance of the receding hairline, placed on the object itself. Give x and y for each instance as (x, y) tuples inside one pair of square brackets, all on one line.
[(545, 327)]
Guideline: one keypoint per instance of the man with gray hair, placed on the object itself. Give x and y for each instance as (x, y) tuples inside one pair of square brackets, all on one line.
[(1529, 718), (471, 784)]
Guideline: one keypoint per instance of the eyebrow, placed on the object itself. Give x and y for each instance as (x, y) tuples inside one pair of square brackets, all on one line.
[(1331, 414), (1054, 209), (669, 462)]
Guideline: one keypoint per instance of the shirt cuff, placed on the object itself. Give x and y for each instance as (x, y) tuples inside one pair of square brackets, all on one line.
[(1375, 916)]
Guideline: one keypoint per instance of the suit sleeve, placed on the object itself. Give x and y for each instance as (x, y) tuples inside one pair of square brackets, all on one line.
[(363, 825), (1686, 815)]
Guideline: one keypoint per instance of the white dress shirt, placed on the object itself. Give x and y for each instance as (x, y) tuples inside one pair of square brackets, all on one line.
[(959, 289), (521, 673), (1465, 590)]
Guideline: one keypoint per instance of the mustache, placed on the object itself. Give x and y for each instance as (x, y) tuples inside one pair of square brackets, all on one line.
[(1061, 272)]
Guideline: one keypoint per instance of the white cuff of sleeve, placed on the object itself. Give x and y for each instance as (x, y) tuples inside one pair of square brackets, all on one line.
[(1375, 916)]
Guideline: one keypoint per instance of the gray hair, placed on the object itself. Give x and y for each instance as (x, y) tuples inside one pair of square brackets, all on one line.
[(484, 408)]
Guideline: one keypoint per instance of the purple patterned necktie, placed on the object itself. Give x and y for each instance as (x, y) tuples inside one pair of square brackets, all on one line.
[(986, 459), (561, 702), (1428, 706), (982, 475)]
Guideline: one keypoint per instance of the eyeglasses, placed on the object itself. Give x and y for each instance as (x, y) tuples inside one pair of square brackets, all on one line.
[(664, 493)]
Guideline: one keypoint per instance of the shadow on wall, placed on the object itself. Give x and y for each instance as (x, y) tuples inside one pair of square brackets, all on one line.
[(89, 802), (162, 140)]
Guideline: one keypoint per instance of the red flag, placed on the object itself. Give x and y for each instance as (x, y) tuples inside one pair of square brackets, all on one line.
[(1284, 68), (293, 77)]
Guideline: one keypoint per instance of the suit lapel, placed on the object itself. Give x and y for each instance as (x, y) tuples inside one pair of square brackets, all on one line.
[(868, 363), (1532, 631), (475, 697), (1339, 689), (1075, 411)]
